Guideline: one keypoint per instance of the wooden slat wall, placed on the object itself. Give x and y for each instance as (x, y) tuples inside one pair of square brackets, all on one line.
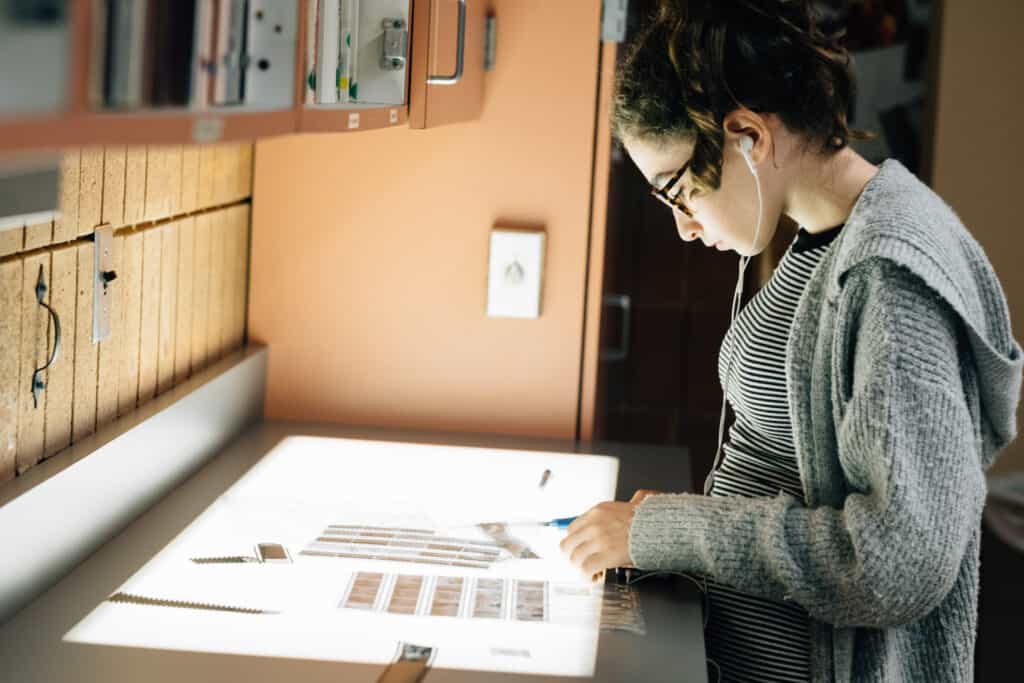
[(167, 307), (113, 185), (39, 235), (10, 364), (83, 411), (130, 323), (90, 203), (201, 294), (66, 227), (60, 386), (12, 241), (186, 277), (180, 250), (110, 348), (35, 328)]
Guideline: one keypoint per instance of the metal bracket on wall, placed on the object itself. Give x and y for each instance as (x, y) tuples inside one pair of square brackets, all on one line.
[(38, 385), (102, 291), (396, 40)]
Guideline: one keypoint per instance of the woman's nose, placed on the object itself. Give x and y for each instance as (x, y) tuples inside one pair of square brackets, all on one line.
[(688, 229)]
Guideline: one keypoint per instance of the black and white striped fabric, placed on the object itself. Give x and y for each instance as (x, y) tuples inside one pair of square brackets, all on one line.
[(749, 638)]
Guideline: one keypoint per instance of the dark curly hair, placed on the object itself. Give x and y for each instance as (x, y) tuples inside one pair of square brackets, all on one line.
[(695, 61)]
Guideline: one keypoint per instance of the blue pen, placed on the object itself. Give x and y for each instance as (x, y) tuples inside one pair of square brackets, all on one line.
[(561, 522)]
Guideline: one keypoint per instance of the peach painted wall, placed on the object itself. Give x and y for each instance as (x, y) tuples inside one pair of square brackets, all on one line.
[(977, 166), (370, 250)]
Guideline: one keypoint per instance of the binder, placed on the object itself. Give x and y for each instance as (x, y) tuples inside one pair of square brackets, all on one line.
[(168, 80), (312, 40), (229, 85), (148, 52), (270, 50), (327, 52), (126, 53), (348, 22), (203, 60)]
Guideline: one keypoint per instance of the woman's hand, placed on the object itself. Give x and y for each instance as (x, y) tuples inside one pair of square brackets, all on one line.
[(599, 538)]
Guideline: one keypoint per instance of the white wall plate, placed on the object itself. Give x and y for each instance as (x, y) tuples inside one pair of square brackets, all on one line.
[(515, 273)]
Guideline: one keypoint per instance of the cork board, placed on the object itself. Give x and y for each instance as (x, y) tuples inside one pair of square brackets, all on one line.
[(34, 346), (40, 235), (186, 280), (90, 201), (206, 197), (12, 241), (177, 303), (108, 363), (131, 323), (238, 258), (134, 184), (83, 411), (167, 308), (149, 332), (60, 383), (201, 294), (218, 285), (66, 226), (189, 179), (10, 364), (113, 185)]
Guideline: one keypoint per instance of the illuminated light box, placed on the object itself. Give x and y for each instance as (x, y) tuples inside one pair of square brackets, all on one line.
[(339, 549)]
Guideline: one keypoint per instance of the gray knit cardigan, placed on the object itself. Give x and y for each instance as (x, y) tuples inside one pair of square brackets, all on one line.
[(903, 379)]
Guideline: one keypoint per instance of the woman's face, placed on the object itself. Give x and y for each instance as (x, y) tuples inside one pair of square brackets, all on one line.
[(725, 218)]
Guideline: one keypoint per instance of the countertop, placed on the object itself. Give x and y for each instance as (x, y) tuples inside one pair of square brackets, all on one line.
[(32, 649)]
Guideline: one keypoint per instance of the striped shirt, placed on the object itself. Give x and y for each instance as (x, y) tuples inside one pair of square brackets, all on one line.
[(751, 638)]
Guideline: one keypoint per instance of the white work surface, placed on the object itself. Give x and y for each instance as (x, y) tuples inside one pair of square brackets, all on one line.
[(287, 484)]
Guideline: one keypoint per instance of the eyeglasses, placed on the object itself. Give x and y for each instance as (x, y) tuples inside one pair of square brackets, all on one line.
[(673, 201)]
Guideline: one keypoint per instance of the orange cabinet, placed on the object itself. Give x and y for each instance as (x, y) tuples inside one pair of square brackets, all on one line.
[(447, 77), (425, 52)]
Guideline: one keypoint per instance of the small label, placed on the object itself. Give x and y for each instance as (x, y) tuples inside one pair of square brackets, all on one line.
[(393, 116), (208, 129), (353, 120)]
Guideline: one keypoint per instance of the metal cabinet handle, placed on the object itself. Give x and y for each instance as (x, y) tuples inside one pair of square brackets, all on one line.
[(38, 385), (621, 301), (460, 53)]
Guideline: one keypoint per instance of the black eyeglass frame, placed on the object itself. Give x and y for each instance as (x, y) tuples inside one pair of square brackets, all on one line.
[(673, 202)]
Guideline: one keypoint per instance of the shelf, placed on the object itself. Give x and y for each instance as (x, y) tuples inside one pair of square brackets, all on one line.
[(384, 94), (328, 119), (144, 128)]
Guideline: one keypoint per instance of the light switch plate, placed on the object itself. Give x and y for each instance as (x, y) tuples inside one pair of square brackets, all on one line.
[(515, 273)]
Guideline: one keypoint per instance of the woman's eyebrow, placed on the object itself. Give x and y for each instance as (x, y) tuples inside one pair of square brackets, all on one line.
[(663, 177)]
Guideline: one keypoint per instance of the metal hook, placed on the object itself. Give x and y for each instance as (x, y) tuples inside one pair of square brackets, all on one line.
[(37, 383)]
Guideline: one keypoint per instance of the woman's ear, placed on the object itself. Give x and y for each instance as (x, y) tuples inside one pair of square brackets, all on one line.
[(745, 123)]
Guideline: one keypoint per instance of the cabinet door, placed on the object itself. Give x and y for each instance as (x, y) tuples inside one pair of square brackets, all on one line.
[(447, 75)]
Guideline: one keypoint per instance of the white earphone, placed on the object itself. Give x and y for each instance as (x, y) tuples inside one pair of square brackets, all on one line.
[(746, 147)]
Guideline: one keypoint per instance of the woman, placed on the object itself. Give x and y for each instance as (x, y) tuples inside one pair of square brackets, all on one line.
[(874, 377)]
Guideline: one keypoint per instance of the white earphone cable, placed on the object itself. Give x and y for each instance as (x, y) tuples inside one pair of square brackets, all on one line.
[(737, 297)]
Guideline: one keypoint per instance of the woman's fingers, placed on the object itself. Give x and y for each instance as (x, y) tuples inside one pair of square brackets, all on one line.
[(582, 553), (596, 564), (643, 493), (582, 533), (599, 539)]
